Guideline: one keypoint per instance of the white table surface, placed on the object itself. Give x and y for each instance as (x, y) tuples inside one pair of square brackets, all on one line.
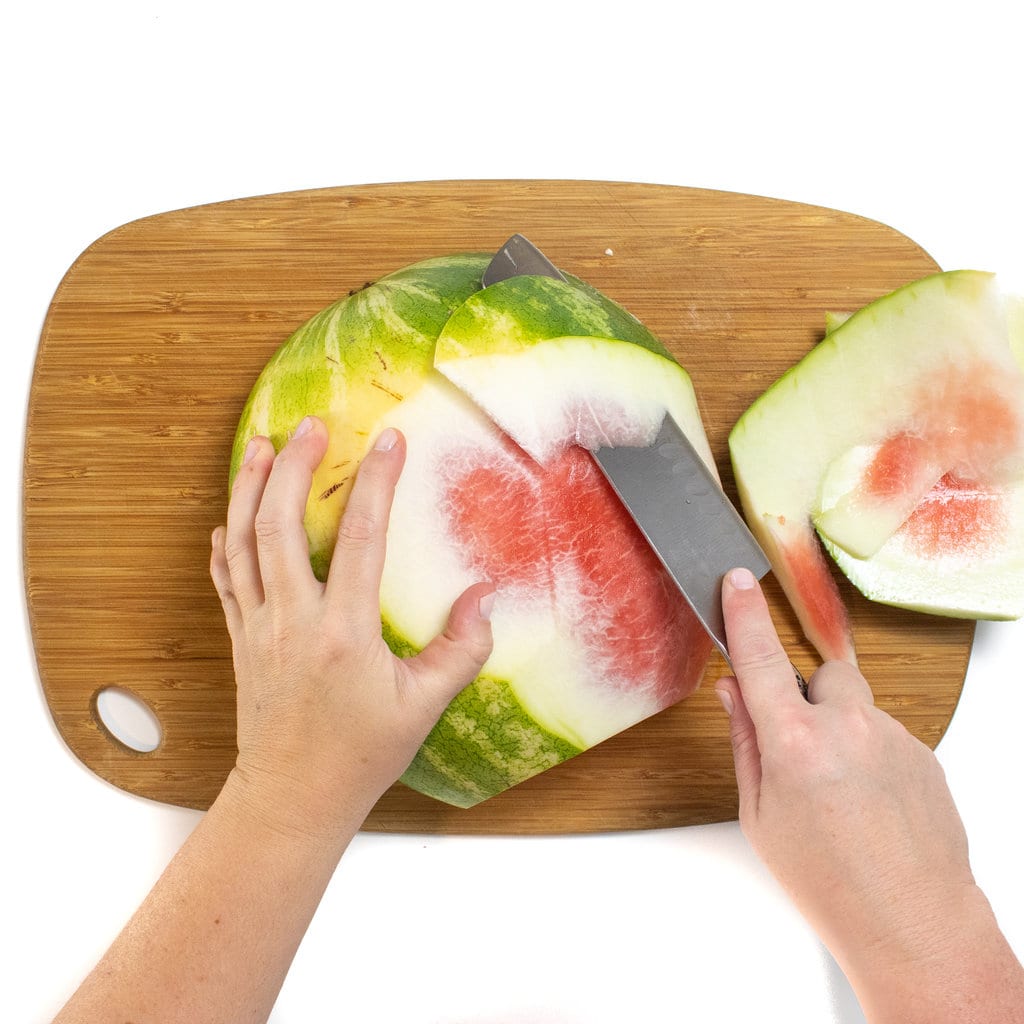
[(115, 111)]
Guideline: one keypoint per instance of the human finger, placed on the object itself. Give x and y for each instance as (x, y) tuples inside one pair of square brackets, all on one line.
[(837, 681), (353, 581), (240, 550), (759, 661), (221, 576), (281, 537), (746, 754), (454, 657)]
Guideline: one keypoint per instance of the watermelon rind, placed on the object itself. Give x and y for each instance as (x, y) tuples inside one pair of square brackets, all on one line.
[(891, 367), (350, 364)]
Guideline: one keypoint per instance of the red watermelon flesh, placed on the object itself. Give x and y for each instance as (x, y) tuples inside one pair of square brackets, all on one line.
[(561, 529), (957, 516), (809, 586)]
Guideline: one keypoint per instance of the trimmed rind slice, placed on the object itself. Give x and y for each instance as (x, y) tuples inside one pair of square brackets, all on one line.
[(870, 491), (900, 437), (555, 363), (959, 554)]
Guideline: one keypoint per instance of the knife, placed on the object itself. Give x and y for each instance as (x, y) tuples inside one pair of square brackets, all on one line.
[(671, 494), (687, 519)]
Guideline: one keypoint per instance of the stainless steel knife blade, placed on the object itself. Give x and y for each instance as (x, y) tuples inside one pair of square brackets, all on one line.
[(516, 258), (688, 520), (674, 498)]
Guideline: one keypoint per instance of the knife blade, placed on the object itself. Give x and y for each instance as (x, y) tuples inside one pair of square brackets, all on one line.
[(517, 257), (686, 517), (668, 490)]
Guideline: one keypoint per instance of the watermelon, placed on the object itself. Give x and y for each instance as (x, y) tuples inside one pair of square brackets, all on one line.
[(590, 635), (898, 442)]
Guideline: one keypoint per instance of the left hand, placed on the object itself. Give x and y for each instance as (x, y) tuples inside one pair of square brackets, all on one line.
[(328, 717)]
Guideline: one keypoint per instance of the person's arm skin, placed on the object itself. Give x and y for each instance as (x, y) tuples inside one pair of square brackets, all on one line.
[(328, 718), (852, 815)]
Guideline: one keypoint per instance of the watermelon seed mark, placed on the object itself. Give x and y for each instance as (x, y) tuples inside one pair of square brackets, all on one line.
[(387, 391), (330, 490)]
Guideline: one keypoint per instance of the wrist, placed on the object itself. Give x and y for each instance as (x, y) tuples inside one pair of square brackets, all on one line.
[(293, 806)]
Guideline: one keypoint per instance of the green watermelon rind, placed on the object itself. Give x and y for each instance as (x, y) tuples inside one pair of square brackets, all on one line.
[(408, 307), (463, 765), (370, 346), (529, 310)]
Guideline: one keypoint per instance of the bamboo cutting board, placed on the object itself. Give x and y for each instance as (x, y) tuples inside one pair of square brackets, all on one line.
[(159, 330)]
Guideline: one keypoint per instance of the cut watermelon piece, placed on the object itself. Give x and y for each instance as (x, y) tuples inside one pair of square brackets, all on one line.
[(555, 363), (900, 440), (590, 634), (870, 491)]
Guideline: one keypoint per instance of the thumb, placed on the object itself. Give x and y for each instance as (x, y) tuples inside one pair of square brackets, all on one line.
[(453, 659), (745, 751)]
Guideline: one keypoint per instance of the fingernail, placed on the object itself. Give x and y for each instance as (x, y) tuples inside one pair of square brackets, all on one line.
[(304, 427), (250, 451), (386, 441), (487, 605), (726, 698), (742, 579)]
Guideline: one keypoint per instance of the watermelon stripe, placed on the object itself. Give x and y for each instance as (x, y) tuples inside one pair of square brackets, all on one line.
[(524, 311), (462, 763), (483, 744)]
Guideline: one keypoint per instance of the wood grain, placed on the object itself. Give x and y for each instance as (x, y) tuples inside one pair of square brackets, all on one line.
[(159, 330)]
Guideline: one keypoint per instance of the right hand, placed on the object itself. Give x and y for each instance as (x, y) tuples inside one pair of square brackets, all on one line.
[(848, 810)]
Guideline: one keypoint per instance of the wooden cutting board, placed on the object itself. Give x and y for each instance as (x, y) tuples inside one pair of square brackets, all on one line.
[(159, 330)]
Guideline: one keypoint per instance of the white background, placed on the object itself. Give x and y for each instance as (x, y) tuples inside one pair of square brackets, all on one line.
[(114, 111)]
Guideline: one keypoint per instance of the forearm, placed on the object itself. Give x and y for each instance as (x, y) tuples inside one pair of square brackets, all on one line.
[(957, 968), (215, 937)]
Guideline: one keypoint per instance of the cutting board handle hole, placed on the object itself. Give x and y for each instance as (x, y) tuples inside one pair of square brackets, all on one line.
[(128, 719)]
